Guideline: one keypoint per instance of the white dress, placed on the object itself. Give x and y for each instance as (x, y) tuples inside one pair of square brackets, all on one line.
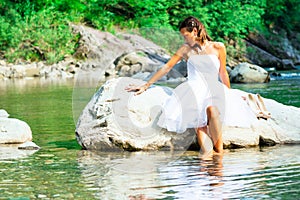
[(186, 107)]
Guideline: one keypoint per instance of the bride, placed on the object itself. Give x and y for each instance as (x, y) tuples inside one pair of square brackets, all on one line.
[(205, 101)]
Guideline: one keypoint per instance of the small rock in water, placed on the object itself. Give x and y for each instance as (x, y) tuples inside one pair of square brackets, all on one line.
[(3, 113), (29, 146), (42, 196)]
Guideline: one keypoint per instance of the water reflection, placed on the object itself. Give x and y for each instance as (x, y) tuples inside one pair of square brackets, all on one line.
[(11, 152), (25, 84), (248, 173), (151, 175), (214, 168)]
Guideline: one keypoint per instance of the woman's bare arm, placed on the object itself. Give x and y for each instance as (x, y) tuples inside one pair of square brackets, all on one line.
[(222, 71), (160, 73)]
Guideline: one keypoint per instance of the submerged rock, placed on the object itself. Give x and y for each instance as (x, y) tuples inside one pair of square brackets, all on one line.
[(115, 119), (29, 146), (11, 151)]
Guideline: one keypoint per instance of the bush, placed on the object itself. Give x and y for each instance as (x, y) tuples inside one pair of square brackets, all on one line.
[(42, 35)]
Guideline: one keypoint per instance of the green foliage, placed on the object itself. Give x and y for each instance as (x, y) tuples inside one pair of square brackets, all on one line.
[(232, 19), (38, 29), (29, 35), (283, 14), (158, 36)]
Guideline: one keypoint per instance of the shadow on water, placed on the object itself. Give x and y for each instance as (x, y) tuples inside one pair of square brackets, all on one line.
[(68, 144)]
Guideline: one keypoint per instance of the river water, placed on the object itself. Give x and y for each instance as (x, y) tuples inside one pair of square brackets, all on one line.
[(61, 170)]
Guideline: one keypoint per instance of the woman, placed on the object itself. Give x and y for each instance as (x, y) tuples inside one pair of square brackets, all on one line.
[(202, 102)]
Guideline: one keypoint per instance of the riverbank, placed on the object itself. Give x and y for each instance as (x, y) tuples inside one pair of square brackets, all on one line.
[(122, 54)]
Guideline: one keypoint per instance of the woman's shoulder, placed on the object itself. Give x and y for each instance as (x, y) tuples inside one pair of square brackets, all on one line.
[(185, 47), (183, 50), (218, 45)]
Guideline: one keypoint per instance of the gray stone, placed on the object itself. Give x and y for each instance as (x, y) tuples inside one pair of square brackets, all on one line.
[(248, 73), (142, 75), (32, 71), (18, 71), (4, 72), (3, 113), (14, 131), (2, 63), (102, 49), (29, 146), (287, 64), (115, 119)]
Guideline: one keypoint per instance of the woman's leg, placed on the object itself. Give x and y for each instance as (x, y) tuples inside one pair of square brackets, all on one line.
[(215, 128), (204, 140)]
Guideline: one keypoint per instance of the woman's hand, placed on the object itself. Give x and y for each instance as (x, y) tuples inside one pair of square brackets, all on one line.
[(137, 89)]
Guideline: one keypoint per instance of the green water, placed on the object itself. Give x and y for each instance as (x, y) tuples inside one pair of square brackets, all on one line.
[(60, 170)]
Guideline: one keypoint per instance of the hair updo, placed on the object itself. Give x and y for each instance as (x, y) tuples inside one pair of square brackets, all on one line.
[(190, 23)]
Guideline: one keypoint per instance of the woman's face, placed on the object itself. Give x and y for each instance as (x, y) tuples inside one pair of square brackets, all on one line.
[(189, 37)]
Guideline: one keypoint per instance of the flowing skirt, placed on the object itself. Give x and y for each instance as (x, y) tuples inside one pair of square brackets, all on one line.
[(186, 107)]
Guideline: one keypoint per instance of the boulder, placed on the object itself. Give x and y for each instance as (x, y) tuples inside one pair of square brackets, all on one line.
[(261, 57), (13, 130), (142, 66), (99, 50), (249, 73), (274, 50), (115, 119), (3, 114)]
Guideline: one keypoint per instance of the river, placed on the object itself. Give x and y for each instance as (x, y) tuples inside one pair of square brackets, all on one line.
[(61, 170)]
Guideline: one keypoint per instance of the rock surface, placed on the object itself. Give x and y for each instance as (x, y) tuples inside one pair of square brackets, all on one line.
[(248, 73), (115, 119), (13, 130), (63, 69), (29, 146), (281, 53)]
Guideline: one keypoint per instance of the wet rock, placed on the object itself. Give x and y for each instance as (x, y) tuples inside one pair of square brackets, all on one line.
[(29, 146), (287, 64), (115, 119), (11, 151)]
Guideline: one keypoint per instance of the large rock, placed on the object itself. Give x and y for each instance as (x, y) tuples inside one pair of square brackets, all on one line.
[(248, 73), (103, 52), (13, 130), (274, 50), (142, 66), (115, 119)]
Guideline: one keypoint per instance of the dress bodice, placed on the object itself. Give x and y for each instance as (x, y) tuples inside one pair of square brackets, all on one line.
[(203, 65)]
